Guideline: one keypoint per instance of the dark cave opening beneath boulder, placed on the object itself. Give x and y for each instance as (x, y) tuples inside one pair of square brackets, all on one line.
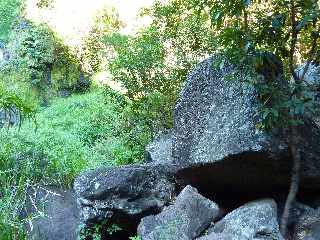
[(247, 177)]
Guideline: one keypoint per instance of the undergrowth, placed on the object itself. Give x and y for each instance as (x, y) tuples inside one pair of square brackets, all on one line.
[(71, 136)]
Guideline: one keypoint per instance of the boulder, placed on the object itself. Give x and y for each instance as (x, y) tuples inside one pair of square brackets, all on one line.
[(307, 226), (9, 117), (55, 212), (253, 221), (217, 142), (216, 236), (186, 219), (160, 150), (122, 192), (312, 75)]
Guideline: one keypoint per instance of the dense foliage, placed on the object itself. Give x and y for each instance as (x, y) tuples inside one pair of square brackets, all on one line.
[(9, 10), (72, 136), (49, 64)]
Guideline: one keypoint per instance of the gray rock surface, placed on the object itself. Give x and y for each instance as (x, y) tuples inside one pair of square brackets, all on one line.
[(129, 190), (190, 215), (216, 139), (61, 216), (307, 226), (160, 150), (312, 75), (9, 117), (253, 221), (216, 236), (214, 117)]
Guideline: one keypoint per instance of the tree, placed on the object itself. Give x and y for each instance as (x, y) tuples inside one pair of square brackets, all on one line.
[(9, 10), (290, 30), (185, 29), (92, 52)]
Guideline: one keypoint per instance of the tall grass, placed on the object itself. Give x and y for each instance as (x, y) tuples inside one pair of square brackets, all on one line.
[(73, 135)]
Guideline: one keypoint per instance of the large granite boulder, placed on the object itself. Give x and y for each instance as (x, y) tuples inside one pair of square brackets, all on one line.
[(124, 192), (160, 150), (55, 212), (253, 221), (216, 236), (218, 144), (190, 215)]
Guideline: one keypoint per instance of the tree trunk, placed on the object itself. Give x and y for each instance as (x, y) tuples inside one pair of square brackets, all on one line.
[(295, 179), (47, 75)]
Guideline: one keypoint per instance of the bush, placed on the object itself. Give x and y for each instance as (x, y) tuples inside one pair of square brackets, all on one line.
[(139, 63)]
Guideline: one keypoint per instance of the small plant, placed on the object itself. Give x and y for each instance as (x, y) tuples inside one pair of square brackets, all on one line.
[(94, 232)]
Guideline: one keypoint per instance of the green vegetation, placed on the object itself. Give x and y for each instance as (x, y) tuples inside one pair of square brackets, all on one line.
[(9, 10), (66, 136), (72, 135)]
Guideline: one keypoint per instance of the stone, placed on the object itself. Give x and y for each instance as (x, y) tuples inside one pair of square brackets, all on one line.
[(160, 150), (186, 219), (252, 221), (307, 226), (216, 236), (217, 144), (135, 190), (312, 75), (9, 117), (56, 214)]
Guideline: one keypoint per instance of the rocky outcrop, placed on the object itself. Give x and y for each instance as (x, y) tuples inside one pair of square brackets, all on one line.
[(255, 220), (190, 215), (214, 117), (217, 142), (216, 148), (55, 212), (216, 236), (160, 150), (135, 190)]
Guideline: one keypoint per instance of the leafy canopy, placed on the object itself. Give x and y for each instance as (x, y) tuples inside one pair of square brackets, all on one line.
[(253, 32)]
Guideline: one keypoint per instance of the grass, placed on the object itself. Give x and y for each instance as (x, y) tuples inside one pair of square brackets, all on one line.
[(71, 136)]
